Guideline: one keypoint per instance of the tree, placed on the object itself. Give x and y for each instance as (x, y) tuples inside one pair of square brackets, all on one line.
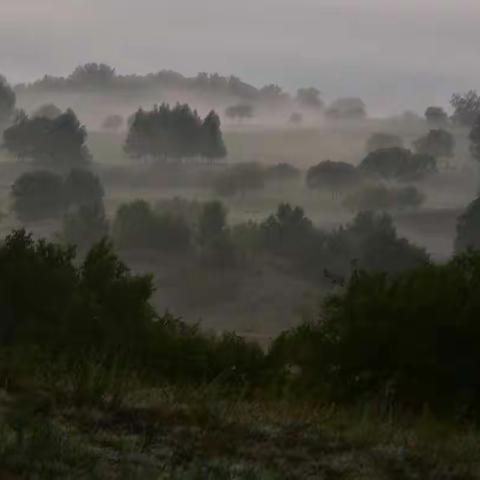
[(82, 187), (38, 195), (212, 145), (474, 138), (347, 108), (59, 142), (380, 197), (212, 222), (92, 74), (7, 101), (85, 226), (282, 172), (466, 108), (113, 122), (240, 178), (397, 164), (437, 143), (332, 176), (241, 111), (137, 226), (309, 98), (165, 133), (380, 140), (436, 117), (468, 227), (48, 110)]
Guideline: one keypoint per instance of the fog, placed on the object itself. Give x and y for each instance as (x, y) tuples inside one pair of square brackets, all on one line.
[(394, 55)]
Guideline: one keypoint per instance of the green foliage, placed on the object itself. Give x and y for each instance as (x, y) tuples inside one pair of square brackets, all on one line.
[(380, 140), (38, 195), (137, 226), (59, 142), (177, 133), (437, 143), (398, 164), (468, 227), (380, 197), (410, 339), (332, 176)]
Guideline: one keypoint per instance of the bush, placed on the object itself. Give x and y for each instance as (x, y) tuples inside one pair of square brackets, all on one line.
[(411, 339), (379, 197), (38, 195), (136, 225)]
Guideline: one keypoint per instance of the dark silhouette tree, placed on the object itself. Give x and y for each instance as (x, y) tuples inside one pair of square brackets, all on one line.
[(335, 177), (397, 164), (93, 75), (212, 222), (82, 187), (48, 110), (437, 143), (347, 108), (212, 144), (59, 142), (466, 108), (309, 98), (7, 102), (468, 227), (38, 195), (240, 179), (436, 117), (379, 140), (474, 138)]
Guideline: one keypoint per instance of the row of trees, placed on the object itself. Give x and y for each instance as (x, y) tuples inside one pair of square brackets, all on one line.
[(175, 133)]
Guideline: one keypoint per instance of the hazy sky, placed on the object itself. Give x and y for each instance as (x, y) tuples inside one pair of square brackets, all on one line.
[(394, 53)]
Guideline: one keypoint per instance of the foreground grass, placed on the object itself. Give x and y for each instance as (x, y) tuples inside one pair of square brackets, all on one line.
[(201, 433)]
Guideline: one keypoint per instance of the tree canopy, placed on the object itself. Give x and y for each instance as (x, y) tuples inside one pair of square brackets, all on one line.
[(380, 140), (7, 101), (58, 142), (466, 108), (347, 108), (332, 176), (436, 117), (437, 143), (174, 133)]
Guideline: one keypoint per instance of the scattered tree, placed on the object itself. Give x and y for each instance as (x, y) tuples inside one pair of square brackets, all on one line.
[(333, 176), (347, 108), (7, 102), (398, 164), (436, 117), (466, 108), (38, 195), (59, 142), (437, 143)]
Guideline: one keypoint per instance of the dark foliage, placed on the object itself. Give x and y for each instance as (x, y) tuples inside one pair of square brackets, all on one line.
[(398, 164), (347, 109), (410, 340), (380, 140), (468, 227), (333, 176), (467, 108), (58, 142), (240, 179), (436, 117), (174, 133), (282, 172), (48, 110), (437, 143), (138, 226), (241, 111), (82, 187), (309, 98), (474, 138), (7, 101), (38, 195)]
